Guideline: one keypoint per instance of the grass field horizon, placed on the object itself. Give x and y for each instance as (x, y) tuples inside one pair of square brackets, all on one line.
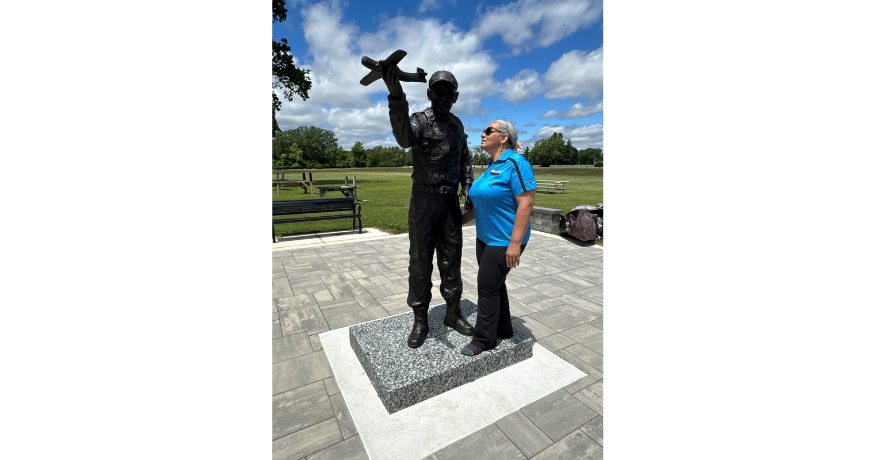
[(384, 195)]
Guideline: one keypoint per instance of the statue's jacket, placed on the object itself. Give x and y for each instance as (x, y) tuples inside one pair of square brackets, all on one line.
[(439, 150)]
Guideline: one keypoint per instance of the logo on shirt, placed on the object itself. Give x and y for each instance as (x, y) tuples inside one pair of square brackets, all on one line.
[(530, 183), (495, 172)]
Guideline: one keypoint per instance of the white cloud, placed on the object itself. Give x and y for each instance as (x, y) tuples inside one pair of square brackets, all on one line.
[(581, 136), (576, 73), (426, 5), (578, 110), (524, 85), (526, 24)]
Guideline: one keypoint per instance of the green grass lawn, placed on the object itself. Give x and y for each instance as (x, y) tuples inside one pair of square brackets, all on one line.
[(384, 195)]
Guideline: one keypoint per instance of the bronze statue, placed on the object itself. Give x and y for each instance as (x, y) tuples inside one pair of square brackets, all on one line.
[(441, 165)]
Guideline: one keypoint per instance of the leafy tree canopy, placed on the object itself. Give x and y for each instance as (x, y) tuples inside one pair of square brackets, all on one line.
[(286, 77)]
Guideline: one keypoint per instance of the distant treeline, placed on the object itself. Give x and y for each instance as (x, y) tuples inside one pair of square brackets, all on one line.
[(310, 147)]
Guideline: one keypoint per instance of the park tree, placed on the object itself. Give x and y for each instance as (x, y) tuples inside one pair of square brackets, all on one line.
[(358, 155), (287, 157), (374, 157), (286, 77), (319, 146), (571, 155)]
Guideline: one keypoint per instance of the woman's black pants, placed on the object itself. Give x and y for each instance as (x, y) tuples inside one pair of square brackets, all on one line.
[(493, 309)]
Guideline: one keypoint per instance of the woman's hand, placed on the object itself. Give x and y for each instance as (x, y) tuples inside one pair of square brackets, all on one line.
[(512, 256)]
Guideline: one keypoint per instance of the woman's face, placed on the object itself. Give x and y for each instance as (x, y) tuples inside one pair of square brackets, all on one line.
[(492, 142)]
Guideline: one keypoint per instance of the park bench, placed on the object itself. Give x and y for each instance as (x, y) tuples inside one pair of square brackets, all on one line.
[(551, 186), (294, 207)]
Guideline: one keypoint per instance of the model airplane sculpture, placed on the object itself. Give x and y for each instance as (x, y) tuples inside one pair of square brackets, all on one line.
[(375, 67)]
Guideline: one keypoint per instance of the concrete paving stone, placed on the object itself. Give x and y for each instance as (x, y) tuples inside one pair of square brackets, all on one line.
[(584, 303), (299, 371), (346, 289), (488, 443), (290, 346), (595, 262), (303, 318), (585, 271), (307, 258), (587, 355), (575, 361), (296, 301), (524, 434), (589, 336), (576, 446), (386, 290), (310, 289), (518, 309), (532, 328), (307, 441), (595, 279), (546, 304), (527, 295), (399, 276), (595, 293), (274, 306), (581, 384), (281, 291), (593, 396), (356, 317), (575, 284), (280, 282), (537, 280), (599, 323), (349, 449), (337, 307), (315, 342), (339, 266), (331, 386), (299, 282), (323, 296), (556, 342), (300, 408), (336, 278), (544, 269), (366, 301), (595, 430), (376, 280), (397, 263), (357, 274), (558, 414), (563, 317), (342, 416), (376, 269), (274, 315), (394, 302), (276, 330), (278, 274), (550, 289)]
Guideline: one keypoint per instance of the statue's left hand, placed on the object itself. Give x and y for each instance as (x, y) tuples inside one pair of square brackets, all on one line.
[(464, 194)]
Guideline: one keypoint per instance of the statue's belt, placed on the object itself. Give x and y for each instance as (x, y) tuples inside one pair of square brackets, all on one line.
[(435, 189)]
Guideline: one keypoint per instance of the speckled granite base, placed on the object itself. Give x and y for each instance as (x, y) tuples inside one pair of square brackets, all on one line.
[(404, 376)]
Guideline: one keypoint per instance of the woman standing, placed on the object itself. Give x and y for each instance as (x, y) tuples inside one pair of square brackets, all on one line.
[(503, 197)]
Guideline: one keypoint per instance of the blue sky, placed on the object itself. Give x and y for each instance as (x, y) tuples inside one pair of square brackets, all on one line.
[(536, 63)]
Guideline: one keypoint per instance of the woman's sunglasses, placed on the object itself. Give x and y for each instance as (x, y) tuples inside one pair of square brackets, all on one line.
[(489, 130)]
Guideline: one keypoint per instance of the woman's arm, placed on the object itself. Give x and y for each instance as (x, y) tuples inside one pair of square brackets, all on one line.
[(525, 203)]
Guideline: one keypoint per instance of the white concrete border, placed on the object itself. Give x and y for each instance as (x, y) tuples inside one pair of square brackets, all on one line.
[(424, 428)]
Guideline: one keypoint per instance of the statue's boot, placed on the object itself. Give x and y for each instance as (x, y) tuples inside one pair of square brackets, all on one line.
[(453, 318), (421, 327)]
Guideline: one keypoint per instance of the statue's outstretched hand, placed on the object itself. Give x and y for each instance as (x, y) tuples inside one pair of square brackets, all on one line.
[(390, 73)]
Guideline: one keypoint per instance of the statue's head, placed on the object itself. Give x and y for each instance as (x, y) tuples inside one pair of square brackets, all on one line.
[(443, 91)]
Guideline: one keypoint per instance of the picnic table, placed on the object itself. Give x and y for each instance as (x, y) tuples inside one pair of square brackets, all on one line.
[(552, 186), (306, 184), (347, 190)]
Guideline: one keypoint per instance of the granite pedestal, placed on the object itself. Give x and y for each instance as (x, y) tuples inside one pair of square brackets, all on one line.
[(404, 376)]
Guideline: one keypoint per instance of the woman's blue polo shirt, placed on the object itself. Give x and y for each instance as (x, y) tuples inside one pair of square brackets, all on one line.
[(495, 207)]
